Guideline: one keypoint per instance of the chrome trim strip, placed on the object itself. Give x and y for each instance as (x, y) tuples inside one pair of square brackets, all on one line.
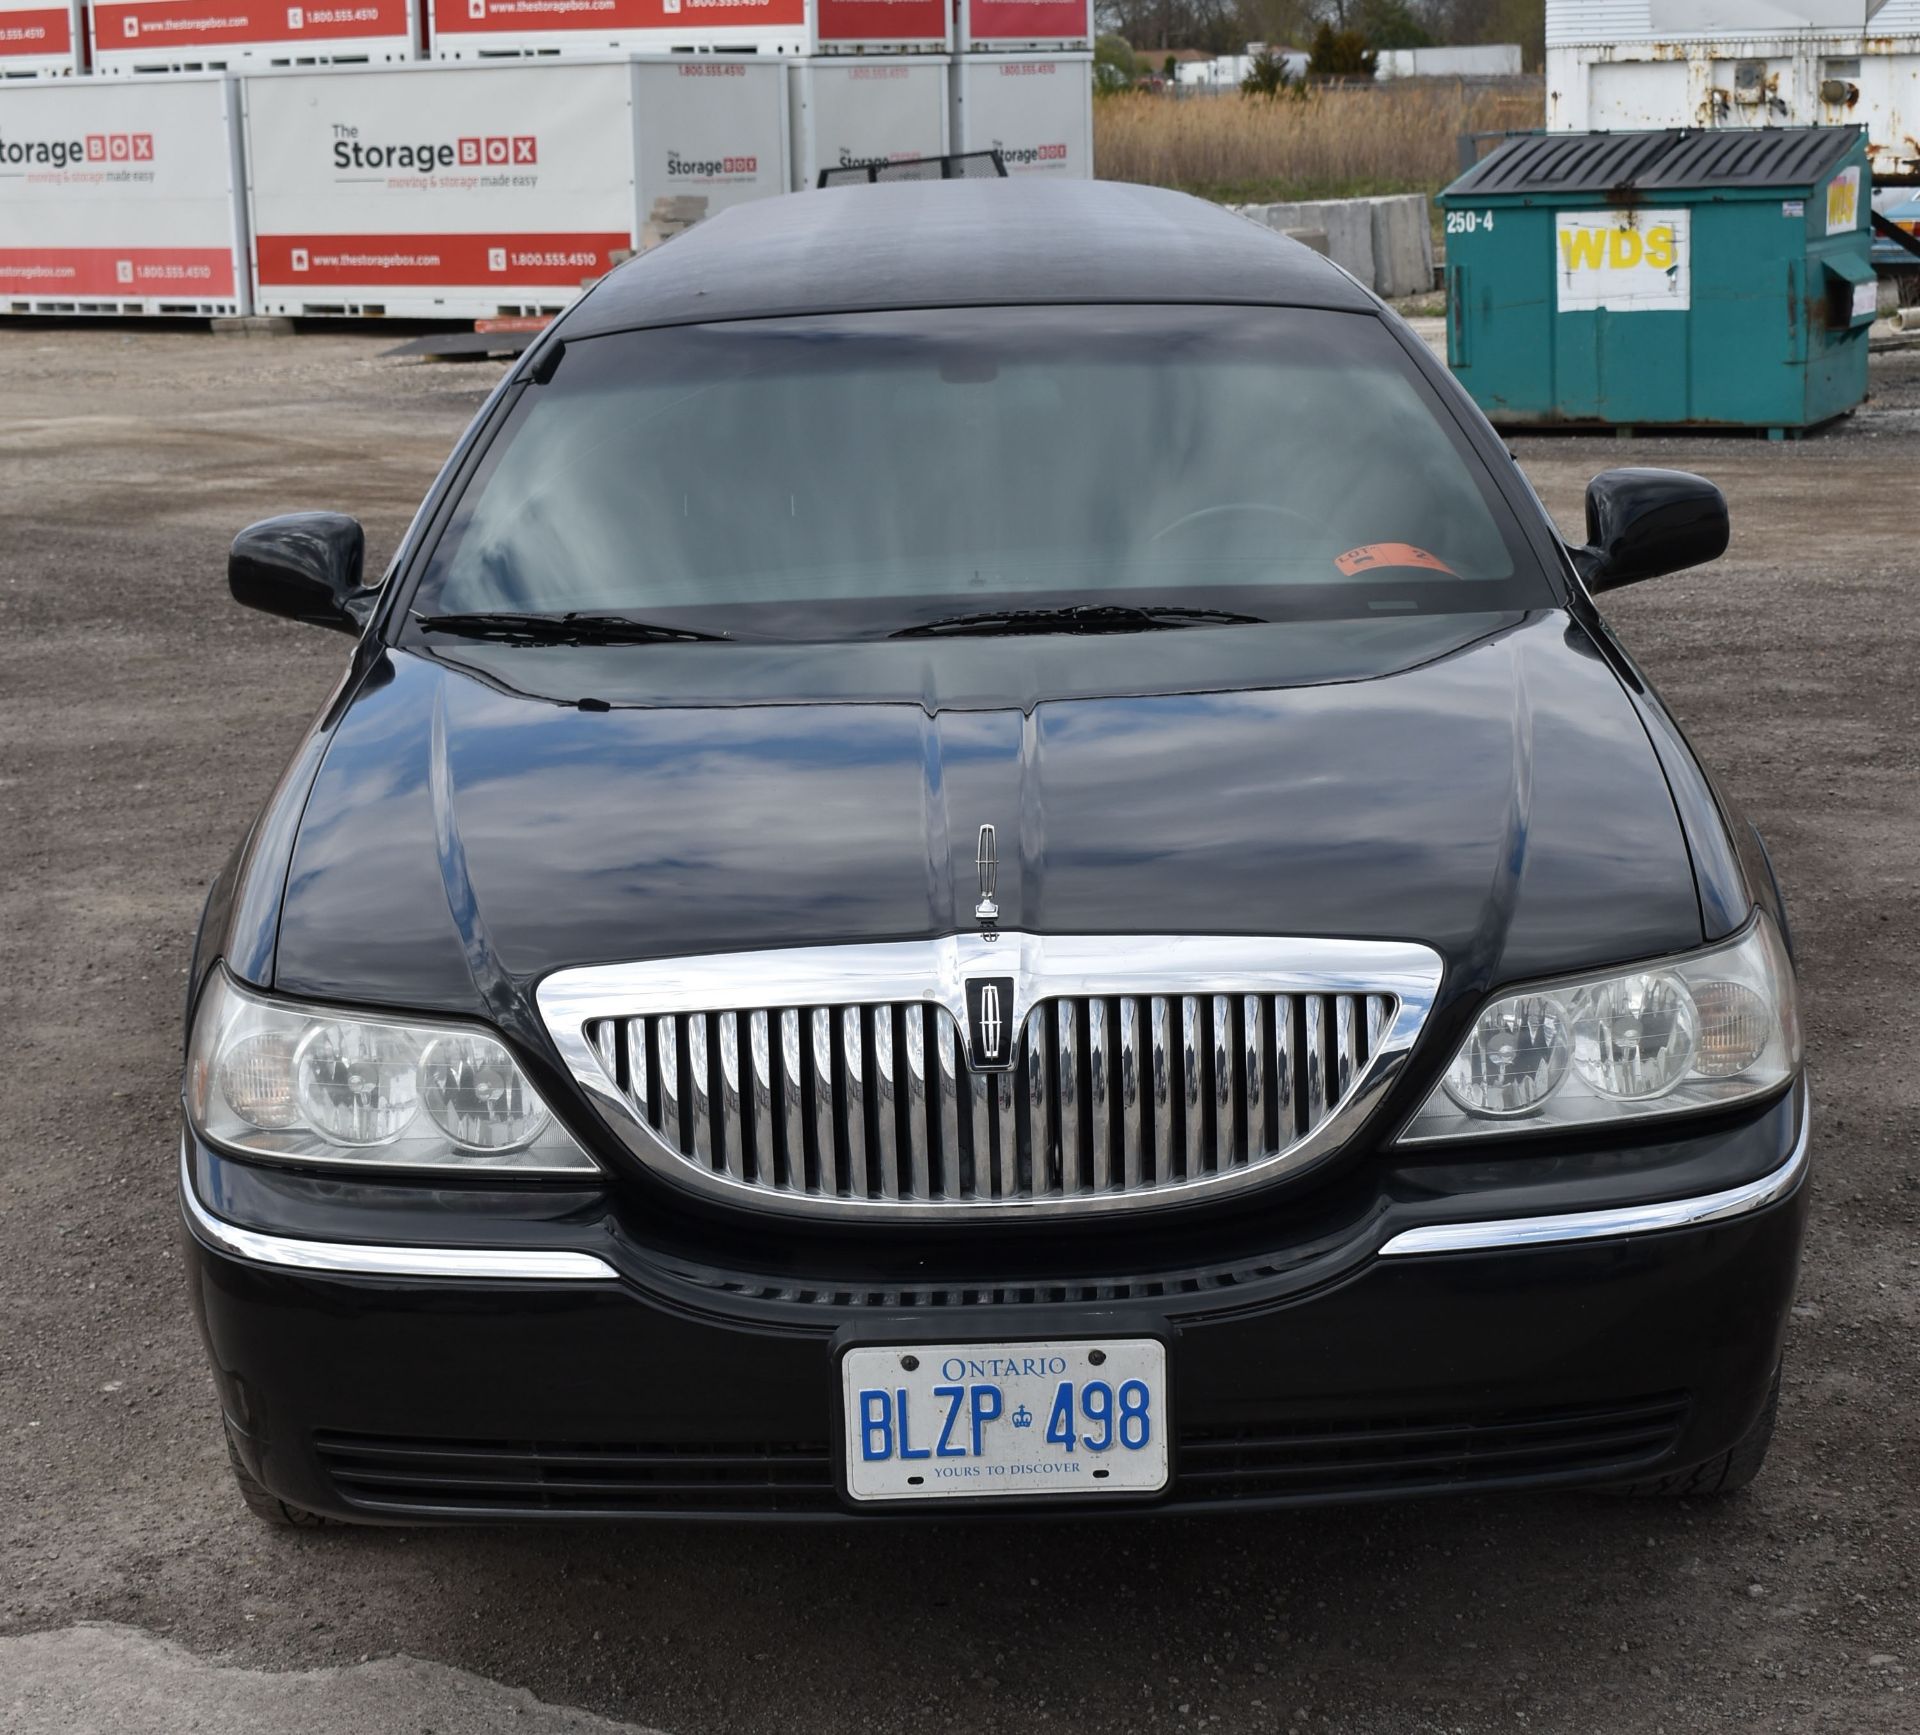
[(920, 1173), (1618, 1220), (1066, 1084), (352, 1259), (1169, 972), (1130, 1092), (1006, 1095), (1098, 1082)]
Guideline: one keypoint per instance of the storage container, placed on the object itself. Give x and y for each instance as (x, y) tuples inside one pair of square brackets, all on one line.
[(847, 111), (158, 36), (1000, 26), (1036, 110), (42, 38), (498, 189), (119, 198)]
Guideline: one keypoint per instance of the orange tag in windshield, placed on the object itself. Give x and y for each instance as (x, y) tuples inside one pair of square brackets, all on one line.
[(1372, 554)]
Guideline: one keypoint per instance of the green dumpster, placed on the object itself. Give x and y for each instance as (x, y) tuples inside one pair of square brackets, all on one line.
[(1657, 279)]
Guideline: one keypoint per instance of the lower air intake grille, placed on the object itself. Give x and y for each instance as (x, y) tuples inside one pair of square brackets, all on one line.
[(477, 1478), (1421, 1455), (1297, 1461)]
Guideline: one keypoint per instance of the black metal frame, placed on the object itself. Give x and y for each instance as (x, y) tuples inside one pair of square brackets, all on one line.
[(1893, 232), (952, 168)]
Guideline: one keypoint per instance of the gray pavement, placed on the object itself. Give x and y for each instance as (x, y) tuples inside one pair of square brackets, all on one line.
[(113, 1680)]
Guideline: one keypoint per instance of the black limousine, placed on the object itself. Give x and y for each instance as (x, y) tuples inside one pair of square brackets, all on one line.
[(983, 852)]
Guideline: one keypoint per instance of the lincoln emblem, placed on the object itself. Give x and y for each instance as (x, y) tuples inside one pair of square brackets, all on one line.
[(991, 1030), (987, 860)]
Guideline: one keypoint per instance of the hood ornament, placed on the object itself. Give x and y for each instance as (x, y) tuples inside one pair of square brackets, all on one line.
[(987, 861)]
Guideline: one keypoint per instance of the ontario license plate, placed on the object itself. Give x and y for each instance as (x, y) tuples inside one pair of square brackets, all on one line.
[(971, 1421)]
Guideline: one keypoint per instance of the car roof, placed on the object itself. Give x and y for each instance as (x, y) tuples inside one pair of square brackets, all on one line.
[(960, 243)]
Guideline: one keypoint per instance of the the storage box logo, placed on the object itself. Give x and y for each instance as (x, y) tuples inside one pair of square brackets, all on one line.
[(685, 166), (473, 151), (94, 149), (1624, 261)]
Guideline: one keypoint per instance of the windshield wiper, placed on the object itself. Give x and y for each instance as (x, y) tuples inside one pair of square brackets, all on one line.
[(1094, 617), (563, 629)]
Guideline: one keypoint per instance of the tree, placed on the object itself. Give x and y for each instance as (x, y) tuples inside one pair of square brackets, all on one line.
[(1114, 67), (1212, 26), (1266, 76), (1391, 24), (1340, 54)]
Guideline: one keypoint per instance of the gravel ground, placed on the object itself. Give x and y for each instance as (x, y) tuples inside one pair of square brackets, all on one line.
[(142, 719)]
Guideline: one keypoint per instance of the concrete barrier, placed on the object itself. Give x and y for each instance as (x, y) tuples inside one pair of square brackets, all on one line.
[(1402, 244), (1386, 242), (1347, 223)]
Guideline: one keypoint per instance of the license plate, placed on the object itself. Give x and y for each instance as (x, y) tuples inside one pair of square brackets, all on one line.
[(971, 1421)]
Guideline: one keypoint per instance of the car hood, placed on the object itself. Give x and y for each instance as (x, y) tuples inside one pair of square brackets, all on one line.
[(1482, 785)]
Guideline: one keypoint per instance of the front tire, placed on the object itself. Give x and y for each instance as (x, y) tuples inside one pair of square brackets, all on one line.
[(1733, 1470)]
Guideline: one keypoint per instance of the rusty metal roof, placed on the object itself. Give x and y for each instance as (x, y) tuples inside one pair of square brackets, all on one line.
[(1672, 161)]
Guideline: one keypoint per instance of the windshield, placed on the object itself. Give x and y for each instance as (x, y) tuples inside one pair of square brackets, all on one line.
[(997, 469)]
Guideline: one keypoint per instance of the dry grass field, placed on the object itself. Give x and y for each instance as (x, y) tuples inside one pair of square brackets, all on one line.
[(1325, 144)]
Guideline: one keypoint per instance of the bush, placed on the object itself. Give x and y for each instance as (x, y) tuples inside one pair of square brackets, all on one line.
[(1266, 77), (1114, 67), (1340, 54)]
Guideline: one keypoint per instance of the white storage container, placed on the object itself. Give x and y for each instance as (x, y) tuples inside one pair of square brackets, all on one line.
[(500, 189), (851, 110), (121, 198), (1035, 110), (149, 36), (42, 38), (1635, 65), (987, 26), (709, 126)]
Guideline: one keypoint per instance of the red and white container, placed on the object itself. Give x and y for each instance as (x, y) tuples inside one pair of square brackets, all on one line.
[(1001, 26), (121, 198), (42, 38), (851, 110), (250, 35), (1035, 110), (524, 29), (880, 26), (149, 36), (470, 30), (473, 192)]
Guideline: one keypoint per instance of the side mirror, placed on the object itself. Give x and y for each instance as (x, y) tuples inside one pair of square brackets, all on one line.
[(306, 566), (1641, 523)]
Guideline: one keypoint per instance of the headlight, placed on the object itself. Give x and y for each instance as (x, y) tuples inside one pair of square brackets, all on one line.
[(310, 1085), (1698, 1032)]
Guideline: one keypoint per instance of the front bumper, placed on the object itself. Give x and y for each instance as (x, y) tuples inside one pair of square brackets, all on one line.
[(407, 1382)]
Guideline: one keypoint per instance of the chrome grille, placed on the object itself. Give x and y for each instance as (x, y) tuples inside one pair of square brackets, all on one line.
[(1122, 1094), (838, 1081)]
